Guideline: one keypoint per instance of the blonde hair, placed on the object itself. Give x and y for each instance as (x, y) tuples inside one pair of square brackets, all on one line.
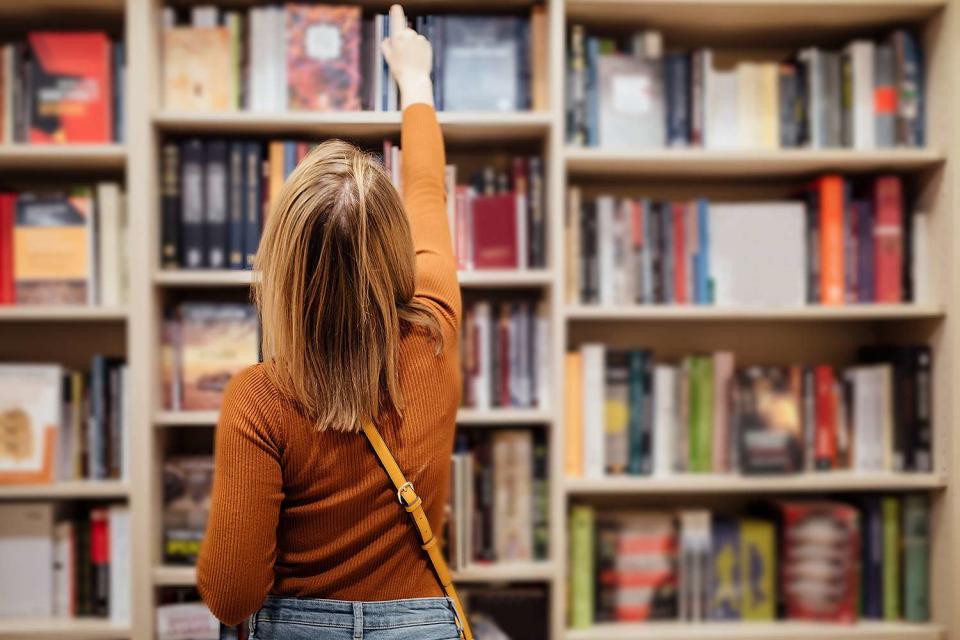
[(336, 286)]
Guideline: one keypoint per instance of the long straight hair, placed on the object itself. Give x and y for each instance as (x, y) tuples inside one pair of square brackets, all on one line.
[(335, 290)]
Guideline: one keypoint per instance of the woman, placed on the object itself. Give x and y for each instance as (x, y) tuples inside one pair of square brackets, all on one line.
[(360, 307)]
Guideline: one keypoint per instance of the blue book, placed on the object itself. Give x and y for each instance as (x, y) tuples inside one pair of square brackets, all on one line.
[(863, 211), (289, 158), (119, 63), (677, 79), (871, 584), (725, 581), (253, 201), (702, 284), (593, 92)]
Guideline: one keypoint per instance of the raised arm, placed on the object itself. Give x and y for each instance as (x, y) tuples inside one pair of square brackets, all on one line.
[(409, 56)]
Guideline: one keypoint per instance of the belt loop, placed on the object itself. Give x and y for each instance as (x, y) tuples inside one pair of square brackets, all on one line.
[(358, 620)]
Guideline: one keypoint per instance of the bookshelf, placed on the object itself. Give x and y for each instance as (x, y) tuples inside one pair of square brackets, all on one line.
[(751, 23)]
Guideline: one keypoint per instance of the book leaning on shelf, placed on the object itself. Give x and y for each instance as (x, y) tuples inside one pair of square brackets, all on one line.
[(64, 247), (65, 562), (316, 57), (62, 87), (59, 425), (216, 194), (845, 242), (626, 93), (628, 414), (813, 560)]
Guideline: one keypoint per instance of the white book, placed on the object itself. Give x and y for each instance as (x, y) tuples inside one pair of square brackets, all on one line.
[(886, 418), (512, 495), (664, 418), (186, 621), (450, 186), (377, 63), (605, 248), (593, 355), (482, 314), (204, 16), (63, 569), (542, 358), (865, 403), (279, 54), (922, 266), (254, 60), (744, 236), (861, 53), (721, 129), (119, 532), (626, 264), (108, 241), (267, 45), (26, 559), (748, 114)]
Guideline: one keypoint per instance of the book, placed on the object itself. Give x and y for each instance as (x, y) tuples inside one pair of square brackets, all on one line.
[(118, 527), (631, 102), (726, 578), (495, 232), (187, 483), (192, 204), (582, 586), (616, 412), (916, 558), (216, 195), (27, 557), (573, 403), (30, 407), (890, 510), (323, 57), (593, 356), (512, 505), (767, 414), (758, 569), (481, 62), (830, 227), (197, 68), (888, 239)]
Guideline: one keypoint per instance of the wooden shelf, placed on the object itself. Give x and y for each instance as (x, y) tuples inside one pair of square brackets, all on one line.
[(461, 126), (784, 630), (464, 416), (43, 8), (695, 483), (853, 312), (73, 490), (198, 278), (186, 418), (63, 629), (78, 313), (689, 163), (101, 157)]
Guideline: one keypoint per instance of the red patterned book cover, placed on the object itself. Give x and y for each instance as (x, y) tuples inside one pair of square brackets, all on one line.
[(323, 57), (495, 232), (71, 96)]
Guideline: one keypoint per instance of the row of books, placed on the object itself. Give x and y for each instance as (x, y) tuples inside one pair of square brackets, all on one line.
[(498, 498), (504, 354), (844, 243), (204, 345), (625, 92), (62, 87), (65, 246), (62, 425), (627, 413), (65, 563), (826, 561), (316, 57)]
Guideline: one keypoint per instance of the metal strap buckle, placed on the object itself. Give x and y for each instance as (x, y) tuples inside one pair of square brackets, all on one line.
[(401, 489)]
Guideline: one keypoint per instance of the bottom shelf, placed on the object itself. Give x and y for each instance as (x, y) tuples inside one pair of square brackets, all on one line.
[(63, 628), (785, 630)]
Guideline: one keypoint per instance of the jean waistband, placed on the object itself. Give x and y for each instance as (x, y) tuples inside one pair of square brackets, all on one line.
[(371, 615)]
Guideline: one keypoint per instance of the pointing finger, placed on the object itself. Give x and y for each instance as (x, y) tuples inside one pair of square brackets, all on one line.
[(398, 21)]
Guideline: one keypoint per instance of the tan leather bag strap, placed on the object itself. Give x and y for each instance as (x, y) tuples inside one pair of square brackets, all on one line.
[(408, 497)]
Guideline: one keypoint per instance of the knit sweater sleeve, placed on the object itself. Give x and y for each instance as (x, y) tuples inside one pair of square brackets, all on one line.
[(425, 201), (235, 567)]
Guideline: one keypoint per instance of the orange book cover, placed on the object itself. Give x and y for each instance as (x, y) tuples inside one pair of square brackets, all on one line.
[(31, 397), (573, 369), (197, 68), (831, 198), (323, 57), (275, 159)]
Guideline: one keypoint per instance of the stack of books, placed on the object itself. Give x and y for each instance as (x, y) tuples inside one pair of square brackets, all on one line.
[(64, 246), (504, 353), (626, 93), (65, 564), (627, 414), (826, 561), (844, 242), (499, 498), (315, 57), (62, 87)]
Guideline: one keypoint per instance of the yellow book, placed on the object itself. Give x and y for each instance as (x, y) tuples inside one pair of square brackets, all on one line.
[(540, 63), (769, 106), (758, 569), (573, 397), (197, 68), (276, 169)]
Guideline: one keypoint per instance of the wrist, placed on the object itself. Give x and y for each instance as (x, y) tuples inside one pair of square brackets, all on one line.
[(416, 90)]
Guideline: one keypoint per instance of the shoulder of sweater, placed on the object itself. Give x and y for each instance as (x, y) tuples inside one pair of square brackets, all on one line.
[(252, 398)]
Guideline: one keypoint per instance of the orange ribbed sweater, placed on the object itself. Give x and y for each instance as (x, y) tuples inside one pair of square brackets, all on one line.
[(296, 512)]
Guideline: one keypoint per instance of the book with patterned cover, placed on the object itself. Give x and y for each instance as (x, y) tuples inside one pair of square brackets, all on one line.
[(323, 57)]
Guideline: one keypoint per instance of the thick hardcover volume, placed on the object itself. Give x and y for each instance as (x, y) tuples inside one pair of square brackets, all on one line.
[(495, 232), (536, 204), (677, 90), (253, 203), (831, 202), (197, 68), (217, 187), (100, 562), (192, 204), (908, 78), (888, 239), (323, 57), (726, 571), (582, 574), (825, 438), (8, 203), (71, 97), (871, 527), (916, 558), (758, 569), (170, 206), (890, 506), (236, 208)]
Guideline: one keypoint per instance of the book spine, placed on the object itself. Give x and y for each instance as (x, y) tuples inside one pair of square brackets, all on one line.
[(593, 409), (916, 558), (677, 79), (636, 412), (237, 206), (888, 239), (573, 399), (582, 571), (170, 207), (825, 447), (680, 264), (116, 439), (253, 161), (83, 573), (593, 91), (890, 506), (758, 571), (831, 201), (537, 221), (872, 581), (921, 455), (616, 411), (7, 206), (865, 251), (100, 562), (695, 93), (216, 186), (885, 96), (192, 204), (97, 469)]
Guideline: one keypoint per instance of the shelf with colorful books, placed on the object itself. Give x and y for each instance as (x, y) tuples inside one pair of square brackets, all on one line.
[(68, 490), (47, 157), (62, 629), (711, 483), (812, 313), (699, 163), (473, 417), (505, 278), (866, 630)]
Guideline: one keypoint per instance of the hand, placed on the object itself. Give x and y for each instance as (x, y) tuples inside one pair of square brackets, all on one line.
[(410, 58)]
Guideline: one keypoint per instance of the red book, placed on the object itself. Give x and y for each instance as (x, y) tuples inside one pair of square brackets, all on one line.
[(100, 560), (494, 227), (831, 198), (825, 432), (888, 239), (72, 93), (323, 57), (679, 254), (7, 206)]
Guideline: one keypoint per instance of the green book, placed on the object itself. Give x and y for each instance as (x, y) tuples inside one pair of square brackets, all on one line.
[(890, 508), (582, 521), (916, 558), (693, 415), (701, 414)]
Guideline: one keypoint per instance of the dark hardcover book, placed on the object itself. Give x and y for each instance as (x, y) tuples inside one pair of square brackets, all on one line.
[(656, 250), (922, 409), (592, 50), (916, 558), (908, 79), (677, 90), (637, 414), (192, 251), (789, 94), (253, 162), (589, 255), (667, 253), (536, 207), (766, 419), (577, 99), (885, 95), (170, 206), (484, 549), (99, 387), (119, 88), (100, 561), (606, 569), (871, 585), (833, 94), (114, 438), (83, 569), (541, 498), (863, 212), (813, 245), (237, 205), (217, 187), (20, 91)]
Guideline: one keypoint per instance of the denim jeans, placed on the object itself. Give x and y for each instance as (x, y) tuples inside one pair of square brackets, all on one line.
[(314, 619)]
